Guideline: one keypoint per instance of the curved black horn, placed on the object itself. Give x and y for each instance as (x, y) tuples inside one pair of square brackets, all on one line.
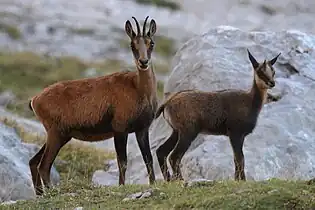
[(138, 27), (144, 24)]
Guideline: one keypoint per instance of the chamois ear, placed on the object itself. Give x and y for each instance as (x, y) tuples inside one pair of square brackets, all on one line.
[(152, 28), (129, 30), (252, 60), (273, 61)]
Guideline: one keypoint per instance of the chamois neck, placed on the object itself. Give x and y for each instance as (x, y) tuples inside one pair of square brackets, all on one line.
[(258, 97), (146, 82)]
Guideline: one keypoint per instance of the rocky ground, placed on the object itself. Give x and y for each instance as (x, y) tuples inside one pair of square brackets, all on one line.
[(86, 38)]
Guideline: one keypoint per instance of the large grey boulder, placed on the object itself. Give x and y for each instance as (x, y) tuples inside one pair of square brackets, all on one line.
[(15, 176), (282, 145)]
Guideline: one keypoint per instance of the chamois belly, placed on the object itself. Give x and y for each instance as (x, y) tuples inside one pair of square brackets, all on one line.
[(244, 127), (93, 131), (215, 128), (91, 137), (104, 130)]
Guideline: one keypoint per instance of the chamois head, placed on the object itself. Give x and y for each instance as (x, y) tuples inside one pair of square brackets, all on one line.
[(141, 44), (264, 72)]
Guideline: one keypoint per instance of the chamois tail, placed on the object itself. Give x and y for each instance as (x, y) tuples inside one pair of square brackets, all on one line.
[(162, 106), (159, 111), (30, 105)]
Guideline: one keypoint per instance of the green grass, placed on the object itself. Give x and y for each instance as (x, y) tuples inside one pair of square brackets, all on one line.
[(274, 194), (161, 3), (160, 88), (12, 31)]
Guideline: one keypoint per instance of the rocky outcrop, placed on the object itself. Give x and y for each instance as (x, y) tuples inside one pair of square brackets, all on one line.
[(282, 145), (15, 176)]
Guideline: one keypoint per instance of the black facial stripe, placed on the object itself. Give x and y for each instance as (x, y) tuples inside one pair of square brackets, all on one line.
[(149, 45), (263, 76)]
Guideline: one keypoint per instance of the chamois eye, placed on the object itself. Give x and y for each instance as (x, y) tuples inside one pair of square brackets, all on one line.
[(151, 44)]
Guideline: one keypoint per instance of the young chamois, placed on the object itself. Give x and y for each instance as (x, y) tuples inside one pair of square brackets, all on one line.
[(96, 109), (232, 113)]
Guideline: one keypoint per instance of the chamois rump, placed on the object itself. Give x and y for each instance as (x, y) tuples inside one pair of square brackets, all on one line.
[(232, 113), (95, 109)]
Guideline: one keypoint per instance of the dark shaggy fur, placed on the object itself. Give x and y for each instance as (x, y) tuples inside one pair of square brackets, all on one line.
[(232, 113)]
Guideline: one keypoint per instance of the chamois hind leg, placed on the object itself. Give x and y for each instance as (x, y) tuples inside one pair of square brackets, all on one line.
[(183, 143), (237, 141), (163, 151), (55, 141), (33, 164), (144, 145), (120, 141)]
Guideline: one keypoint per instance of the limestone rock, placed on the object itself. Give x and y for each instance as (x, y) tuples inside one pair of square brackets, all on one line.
[(15, 176)]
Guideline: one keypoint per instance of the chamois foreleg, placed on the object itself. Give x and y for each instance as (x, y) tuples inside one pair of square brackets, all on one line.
[(55, 141), (183, 143), (120, 141), (163, 151), (144, 145), (33, 163), (237, 141)]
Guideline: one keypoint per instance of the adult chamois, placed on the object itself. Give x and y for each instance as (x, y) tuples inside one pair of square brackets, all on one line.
[(232, 113), (96, 109)]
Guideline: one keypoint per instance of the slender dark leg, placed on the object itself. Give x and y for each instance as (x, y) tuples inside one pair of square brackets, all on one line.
[(144, 145), (33, 163), (54, 143), (183, 143), (120, 141), (163, 151), (237, 141)]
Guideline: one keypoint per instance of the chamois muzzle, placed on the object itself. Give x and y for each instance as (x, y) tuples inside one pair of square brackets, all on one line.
[(271, 84), (144, 64)]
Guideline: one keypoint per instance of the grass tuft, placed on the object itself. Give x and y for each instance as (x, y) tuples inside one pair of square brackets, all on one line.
[(12, 31)]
